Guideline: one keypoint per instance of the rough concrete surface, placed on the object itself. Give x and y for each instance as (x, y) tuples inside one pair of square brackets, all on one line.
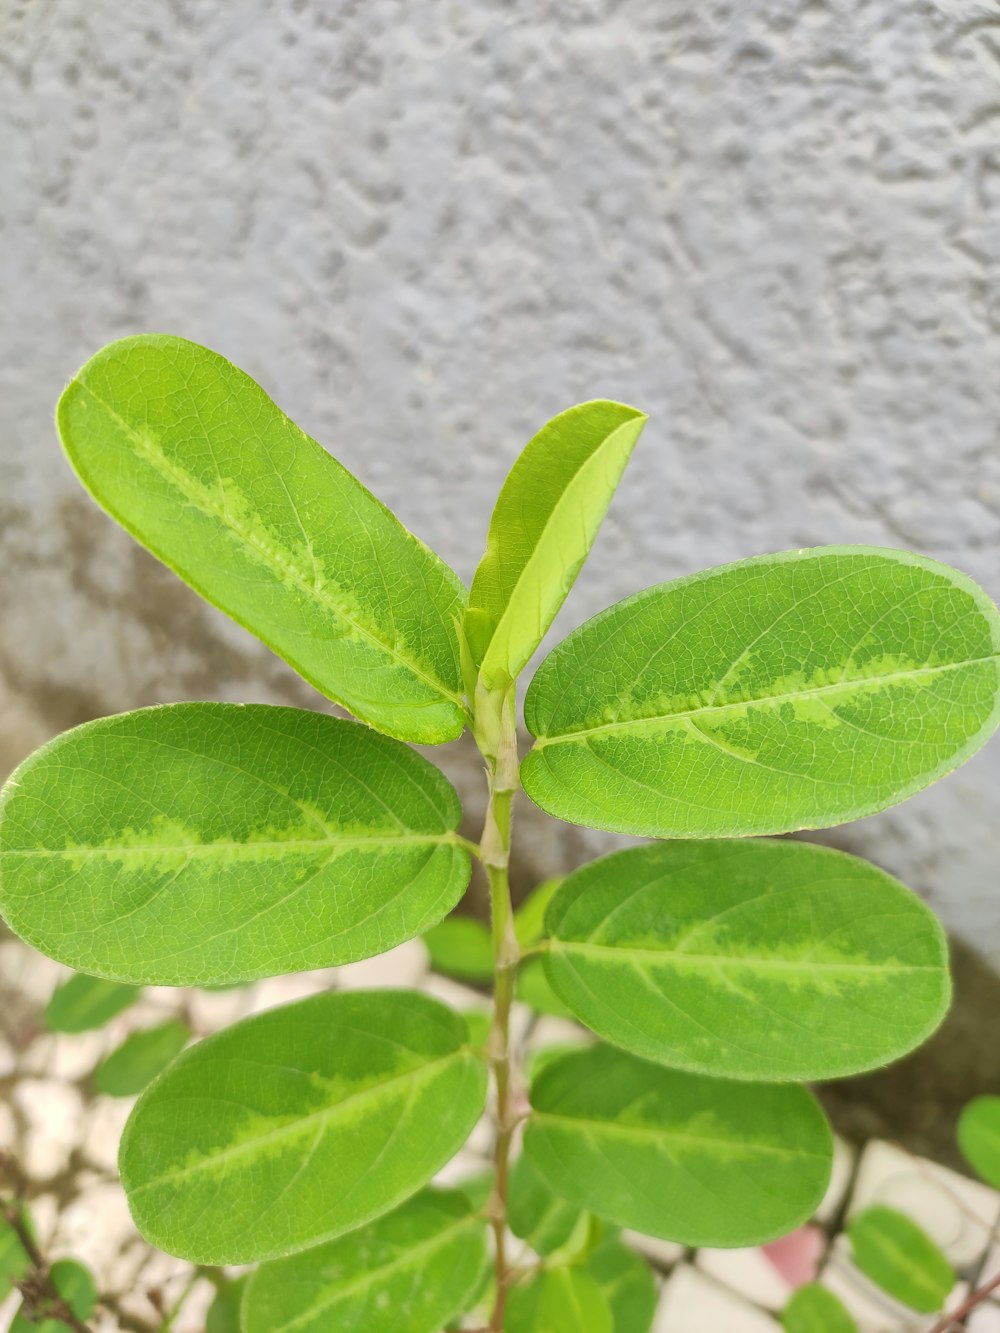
[(425, 228)]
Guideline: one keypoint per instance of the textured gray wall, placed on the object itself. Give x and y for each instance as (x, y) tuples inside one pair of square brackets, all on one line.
[(425, 228)]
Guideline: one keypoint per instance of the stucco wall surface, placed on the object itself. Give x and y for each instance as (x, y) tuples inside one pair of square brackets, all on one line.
[(425, 228)]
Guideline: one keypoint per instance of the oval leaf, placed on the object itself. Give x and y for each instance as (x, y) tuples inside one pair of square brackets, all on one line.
[(696, 1160), (901, 1258), (140, 1057), (299, 1124), (414, 1270), (198, 464), (83, 1003), (558, 1300), (544, 524), (815, 1309), (224, 1313), (773, 961), (790, 691), (979, 1137), (207, 843)]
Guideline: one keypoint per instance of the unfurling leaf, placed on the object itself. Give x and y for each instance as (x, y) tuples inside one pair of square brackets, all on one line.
[(299, 1124), (776, 961), (789, 691), (413, 1269), (979, 1137), (901, 1258), (544, 524), (698, 1160), (198, 464), (220, 842)]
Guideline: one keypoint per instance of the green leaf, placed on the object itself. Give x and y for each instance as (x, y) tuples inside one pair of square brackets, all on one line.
[(627, 1285), (815, 1309), (222, 842), (696, 1160), (299, 1124), (533, 989), (535, 1214), (75, 1285), (461, 947), (140, 1057), (776, 961), (901, 1258), (529, 919), (82, 1003), (558, 1300), (544, 524), (224, 1313), (14, 1259), (790, 691), (198, 464), (412, 1270), (979, 1137)]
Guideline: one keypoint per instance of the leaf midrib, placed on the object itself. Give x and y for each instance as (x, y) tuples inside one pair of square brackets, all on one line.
[(644, 1132), (817, 691), (286, 568), (666, 955), (291, 1130), (376, 1276), (195, 849)]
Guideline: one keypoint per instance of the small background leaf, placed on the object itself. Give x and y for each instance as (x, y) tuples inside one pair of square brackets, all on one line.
[(460, 947), (83, 1003), (536, 1214), (75, 1284), (979, 1137), (299, 1124), (815, 1309), (529, 919), (14, 1260), (224, 1312), (901, 1258), (139, 1059)]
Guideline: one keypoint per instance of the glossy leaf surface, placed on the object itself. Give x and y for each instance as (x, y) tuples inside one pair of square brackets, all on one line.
[(198, 464), (697, 1160), (558, 1300), (815, 1309), (979, 1138), (222, 842), (413, 1269), (299, 1124), (544, 524), (789, 691), (901, 1258), (83, 1003), (140, 1057), (776, 961)]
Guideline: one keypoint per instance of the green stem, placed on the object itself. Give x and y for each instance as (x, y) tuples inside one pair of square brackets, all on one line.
[(497, 738)]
